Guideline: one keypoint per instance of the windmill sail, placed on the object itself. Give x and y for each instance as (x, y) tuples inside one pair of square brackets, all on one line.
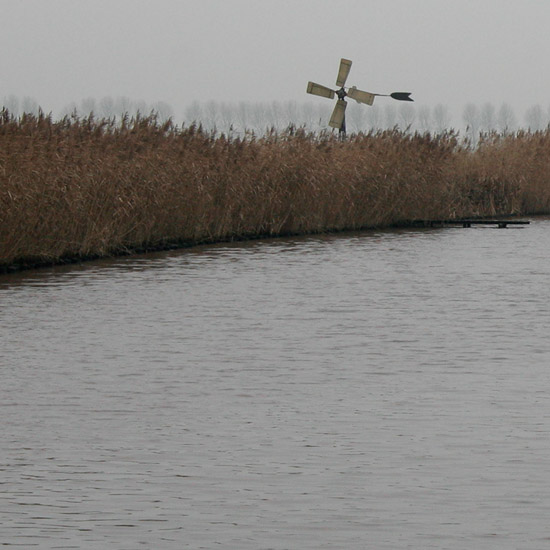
[(317, 89), (360, 96), (343, 72), (338, 114)]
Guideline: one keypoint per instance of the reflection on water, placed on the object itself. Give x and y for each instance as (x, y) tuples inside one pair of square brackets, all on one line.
[(376, 390)]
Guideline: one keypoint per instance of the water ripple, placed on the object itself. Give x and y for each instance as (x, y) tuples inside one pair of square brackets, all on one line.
[(384, 389)]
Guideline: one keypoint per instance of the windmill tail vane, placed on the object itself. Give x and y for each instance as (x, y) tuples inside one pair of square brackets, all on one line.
[(338, 117)]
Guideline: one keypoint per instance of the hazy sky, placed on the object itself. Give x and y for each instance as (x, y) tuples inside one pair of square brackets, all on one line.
[(451, 52)]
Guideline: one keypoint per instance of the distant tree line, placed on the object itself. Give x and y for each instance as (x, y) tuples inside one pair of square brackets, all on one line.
[(106, 107), (258, 117), (314, 116)]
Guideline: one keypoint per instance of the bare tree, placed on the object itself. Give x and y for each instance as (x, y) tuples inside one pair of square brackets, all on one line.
[(506, 119), (488, 120), (243, 112), (441, 118), (407, 116), (374, 117), (163, 110), (11, 103), (70, 109), (424, 118), (141, 108), (29, 105), (193, 113), (258, 117), (324, 110), (390, 116), (106, 107), (210, 116), (471, 119), (534, 118), (123, 105), (308, 115), (356, 116), (276, 115), (88, 106), (226, 118), (290, 109)]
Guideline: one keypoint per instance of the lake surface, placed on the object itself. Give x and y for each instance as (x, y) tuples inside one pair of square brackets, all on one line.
[(385, 390)]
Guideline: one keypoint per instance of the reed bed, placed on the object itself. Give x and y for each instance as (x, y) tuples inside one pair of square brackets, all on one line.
[(80, 187)]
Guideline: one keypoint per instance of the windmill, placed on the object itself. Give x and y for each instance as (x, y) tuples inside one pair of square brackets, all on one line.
[(338, 118)]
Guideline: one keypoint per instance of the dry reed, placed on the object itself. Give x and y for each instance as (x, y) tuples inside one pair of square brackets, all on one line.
[(79, 188)]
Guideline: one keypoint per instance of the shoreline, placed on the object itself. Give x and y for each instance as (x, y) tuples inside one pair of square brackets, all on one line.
[(29, 264)]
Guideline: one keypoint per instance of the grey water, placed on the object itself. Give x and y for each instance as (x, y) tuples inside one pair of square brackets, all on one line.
[(384, 389)]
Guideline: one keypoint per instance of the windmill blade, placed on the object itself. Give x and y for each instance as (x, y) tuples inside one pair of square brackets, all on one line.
[(317, 89), (345, 66), (338, 114), (360, 96), (402, 96)]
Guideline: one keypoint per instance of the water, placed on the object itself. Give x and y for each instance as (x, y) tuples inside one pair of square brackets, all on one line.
[(378, 390)]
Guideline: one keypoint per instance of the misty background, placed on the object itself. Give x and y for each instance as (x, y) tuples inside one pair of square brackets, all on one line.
[(244, 64)]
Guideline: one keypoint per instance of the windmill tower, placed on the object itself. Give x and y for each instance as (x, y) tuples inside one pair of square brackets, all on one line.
[(338, 118)]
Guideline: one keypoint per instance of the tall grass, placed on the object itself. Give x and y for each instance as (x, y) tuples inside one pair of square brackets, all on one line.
[(76, 188)]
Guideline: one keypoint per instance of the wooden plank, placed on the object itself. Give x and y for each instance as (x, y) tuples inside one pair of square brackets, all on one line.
[(469, 223)]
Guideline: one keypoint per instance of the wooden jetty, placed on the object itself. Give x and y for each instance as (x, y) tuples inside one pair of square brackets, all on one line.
[(469, 223)]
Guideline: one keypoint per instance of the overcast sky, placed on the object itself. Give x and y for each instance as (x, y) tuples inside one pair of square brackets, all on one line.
[(443, 51)]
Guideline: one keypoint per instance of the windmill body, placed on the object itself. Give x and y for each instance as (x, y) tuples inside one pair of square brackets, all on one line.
[(338, 117)]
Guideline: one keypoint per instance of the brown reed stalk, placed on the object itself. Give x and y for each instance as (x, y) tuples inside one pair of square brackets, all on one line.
[(78, 188)]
